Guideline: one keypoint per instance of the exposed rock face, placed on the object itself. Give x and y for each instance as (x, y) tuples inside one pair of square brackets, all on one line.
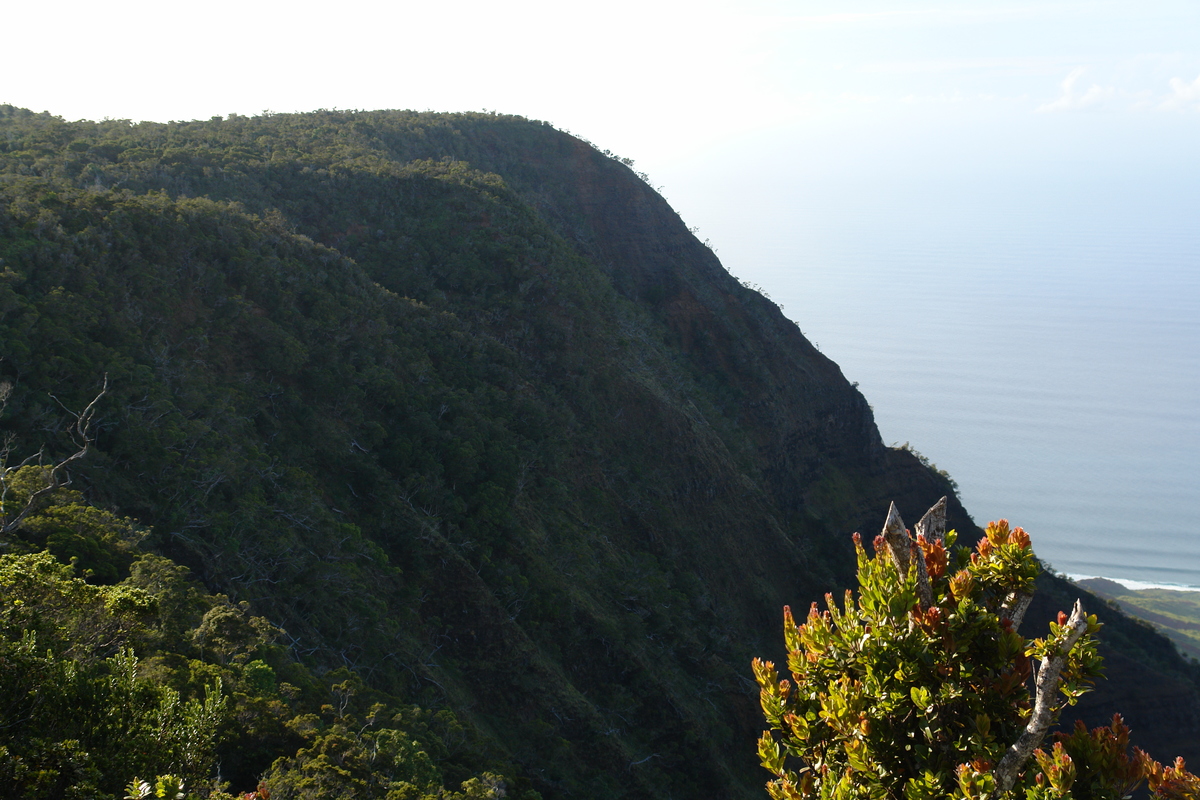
[(565, 489)]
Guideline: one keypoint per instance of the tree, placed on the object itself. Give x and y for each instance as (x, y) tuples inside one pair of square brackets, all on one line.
[(77, 721), (53, 475), (919, 687)]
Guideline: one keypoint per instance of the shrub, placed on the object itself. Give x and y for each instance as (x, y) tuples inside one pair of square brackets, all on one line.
[(920, 686)]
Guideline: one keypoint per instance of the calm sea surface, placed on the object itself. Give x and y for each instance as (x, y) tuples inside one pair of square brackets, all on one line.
[(1046, 354)]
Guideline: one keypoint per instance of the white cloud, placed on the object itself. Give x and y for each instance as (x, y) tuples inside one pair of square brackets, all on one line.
[(1183, 95), (1072, 100)]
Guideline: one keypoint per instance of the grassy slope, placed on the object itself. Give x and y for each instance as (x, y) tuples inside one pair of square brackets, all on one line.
[(1175, 613)]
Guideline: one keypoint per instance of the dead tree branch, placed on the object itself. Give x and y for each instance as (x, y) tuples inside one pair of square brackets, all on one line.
[(905, 552), (933, 525), (896, 538), (55, 475), (1048, 676)]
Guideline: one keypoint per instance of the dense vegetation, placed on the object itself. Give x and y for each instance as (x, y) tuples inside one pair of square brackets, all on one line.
[(919, 686), (450, 413), (117, 667)]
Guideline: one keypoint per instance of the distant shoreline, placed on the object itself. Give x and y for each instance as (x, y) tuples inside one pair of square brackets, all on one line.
[(1131, 584), (1172, 608)]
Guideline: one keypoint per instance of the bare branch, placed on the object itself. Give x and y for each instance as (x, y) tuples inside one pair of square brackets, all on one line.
[(933, 525), (905, 551), (1015, 606), (81, 435), (895, 536), (924, 589), (1048, 676), (932, 528)]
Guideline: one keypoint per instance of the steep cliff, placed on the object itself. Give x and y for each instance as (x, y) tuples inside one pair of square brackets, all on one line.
[(457, 401)]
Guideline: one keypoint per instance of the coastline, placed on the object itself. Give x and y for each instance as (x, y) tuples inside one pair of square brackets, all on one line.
[(1171, 608), (1129, 583)]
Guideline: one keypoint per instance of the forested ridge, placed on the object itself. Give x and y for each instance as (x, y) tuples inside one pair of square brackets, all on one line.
[(437, 456)]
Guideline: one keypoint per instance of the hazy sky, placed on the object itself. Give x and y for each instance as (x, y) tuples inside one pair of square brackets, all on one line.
[(657, 82)]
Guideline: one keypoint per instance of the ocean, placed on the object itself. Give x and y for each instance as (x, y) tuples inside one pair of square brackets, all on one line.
[(1042, 346)]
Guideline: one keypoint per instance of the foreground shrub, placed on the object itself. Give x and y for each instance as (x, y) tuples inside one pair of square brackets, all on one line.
[(919, 687)]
